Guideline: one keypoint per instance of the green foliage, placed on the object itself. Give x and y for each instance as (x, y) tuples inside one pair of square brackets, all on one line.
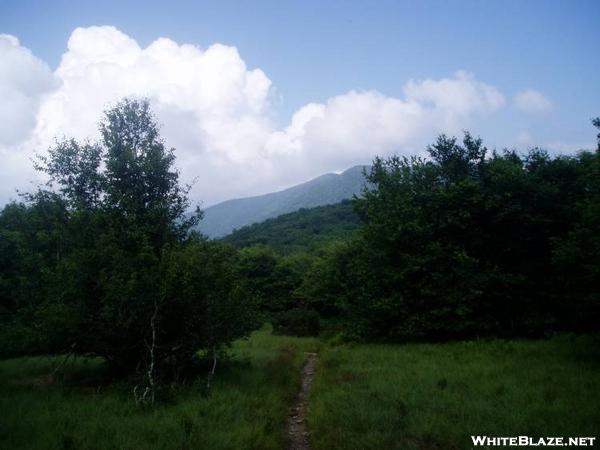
[(31, 243), (203, 306), (577, 256), (303, 230), (462, 245), (103, 262), (296, 322), (269, 278), (285, 264), (325, 282), (457, 245)]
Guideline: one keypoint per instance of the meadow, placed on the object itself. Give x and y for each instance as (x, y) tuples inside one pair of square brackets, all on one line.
[(435, 396), (413, 396), (246, 406)]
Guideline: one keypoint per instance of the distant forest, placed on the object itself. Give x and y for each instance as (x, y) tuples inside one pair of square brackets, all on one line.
[(304, 230)]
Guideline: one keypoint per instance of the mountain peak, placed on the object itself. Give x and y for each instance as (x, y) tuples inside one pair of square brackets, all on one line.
[(222, 218)]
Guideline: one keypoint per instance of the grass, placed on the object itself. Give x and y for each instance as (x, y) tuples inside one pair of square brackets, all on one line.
[(435, 396), (414, 396), (247, 406)]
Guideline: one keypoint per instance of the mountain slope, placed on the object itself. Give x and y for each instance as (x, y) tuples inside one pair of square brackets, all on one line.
[(221, 219), (305, 229)]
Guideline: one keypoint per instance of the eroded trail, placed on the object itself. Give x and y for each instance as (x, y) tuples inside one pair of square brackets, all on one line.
[(297, 426)]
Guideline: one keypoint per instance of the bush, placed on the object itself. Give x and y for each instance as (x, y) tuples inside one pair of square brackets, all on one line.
[(16, 339), (296, 322), (202, 308)]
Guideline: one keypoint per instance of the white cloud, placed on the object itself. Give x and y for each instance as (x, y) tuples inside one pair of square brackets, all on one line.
[(217, 113), (532, 101), (23, 81), (352, 128), (209, 93), (455, 98)]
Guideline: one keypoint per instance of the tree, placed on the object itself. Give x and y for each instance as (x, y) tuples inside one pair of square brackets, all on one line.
[(269, 278), (205, 307), (596, 123), (461, 245), (128, 266), (30, 245), (577, 255)]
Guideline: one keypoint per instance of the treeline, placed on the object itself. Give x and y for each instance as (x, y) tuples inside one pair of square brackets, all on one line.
[(462, 244), (104, 260)]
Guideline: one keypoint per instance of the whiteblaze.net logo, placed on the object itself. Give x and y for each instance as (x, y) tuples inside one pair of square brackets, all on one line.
[(527, 441)]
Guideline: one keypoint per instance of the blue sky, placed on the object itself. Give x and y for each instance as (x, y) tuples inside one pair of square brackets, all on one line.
[(313, 51)]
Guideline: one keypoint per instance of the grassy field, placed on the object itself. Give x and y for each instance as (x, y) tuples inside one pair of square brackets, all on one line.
[(417, 396), (422, 396), (246, 409)]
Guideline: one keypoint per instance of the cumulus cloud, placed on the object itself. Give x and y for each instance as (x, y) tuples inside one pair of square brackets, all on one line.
[(355, 126), (24, 79), (532, 101), (218, 113), (209, 93)]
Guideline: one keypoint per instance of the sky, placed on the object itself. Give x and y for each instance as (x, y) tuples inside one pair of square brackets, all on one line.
[(258, 96)]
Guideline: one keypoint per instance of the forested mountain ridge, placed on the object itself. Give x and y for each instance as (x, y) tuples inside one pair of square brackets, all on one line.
[(304, 229), (221, 219)]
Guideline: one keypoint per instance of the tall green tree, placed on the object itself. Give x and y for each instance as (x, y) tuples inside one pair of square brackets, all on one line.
[(578, 255), (462, 244), (124, 253)]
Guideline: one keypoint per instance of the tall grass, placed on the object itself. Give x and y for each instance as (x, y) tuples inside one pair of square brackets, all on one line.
[(435, 396), (414, 396), (246, 407)]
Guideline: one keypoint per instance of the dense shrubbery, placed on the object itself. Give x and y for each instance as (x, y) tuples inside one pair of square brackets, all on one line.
[(296, 322)]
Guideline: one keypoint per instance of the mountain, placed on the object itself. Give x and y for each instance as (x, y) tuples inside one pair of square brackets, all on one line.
[(222, 218), (302, 230)]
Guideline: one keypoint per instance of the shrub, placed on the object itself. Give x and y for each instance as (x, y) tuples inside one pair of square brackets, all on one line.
[(296, 322)]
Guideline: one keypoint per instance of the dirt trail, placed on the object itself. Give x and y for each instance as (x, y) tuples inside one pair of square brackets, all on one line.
[(297, 426)]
